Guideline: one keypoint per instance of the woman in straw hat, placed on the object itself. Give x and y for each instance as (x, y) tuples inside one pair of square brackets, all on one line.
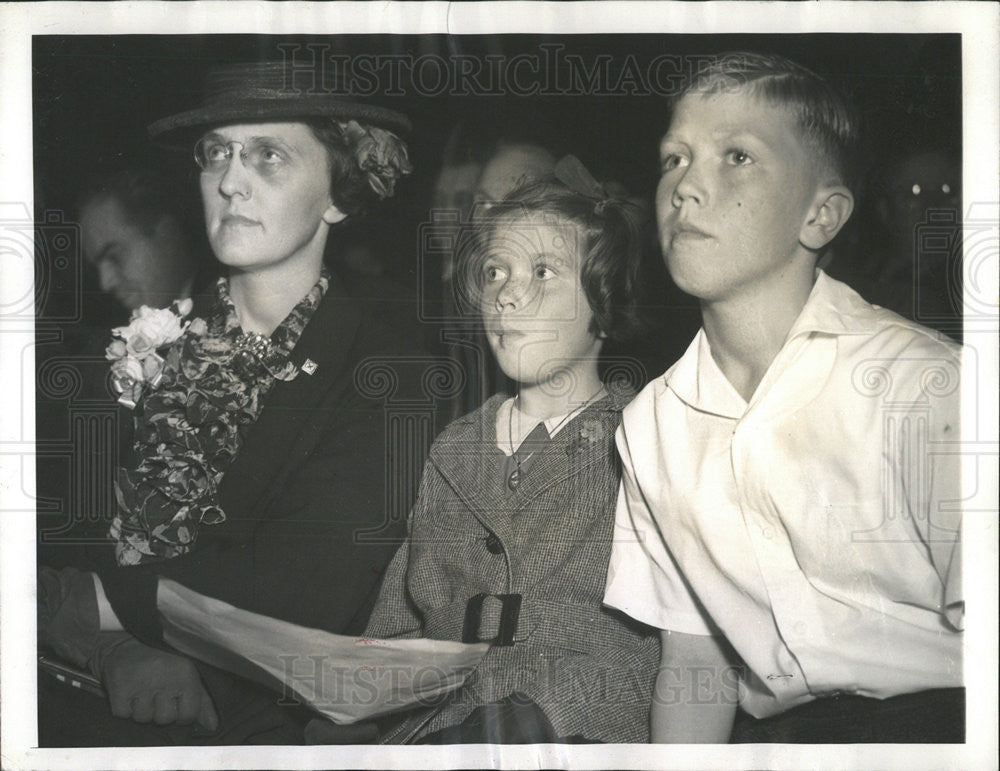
[(258, 459)]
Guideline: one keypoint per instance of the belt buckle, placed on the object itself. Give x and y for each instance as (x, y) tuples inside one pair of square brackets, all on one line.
[(510, 611)]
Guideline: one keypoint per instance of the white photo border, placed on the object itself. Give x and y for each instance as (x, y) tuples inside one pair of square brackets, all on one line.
[(979, 26)]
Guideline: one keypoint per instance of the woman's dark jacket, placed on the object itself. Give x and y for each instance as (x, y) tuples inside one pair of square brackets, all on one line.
[(311, 520)]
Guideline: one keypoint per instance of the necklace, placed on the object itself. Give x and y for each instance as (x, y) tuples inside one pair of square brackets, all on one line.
[(514, 479), (254, 344)]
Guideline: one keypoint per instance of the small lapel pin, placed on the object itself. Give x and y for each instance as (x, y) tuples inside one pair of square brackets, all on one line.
[(309, 366)]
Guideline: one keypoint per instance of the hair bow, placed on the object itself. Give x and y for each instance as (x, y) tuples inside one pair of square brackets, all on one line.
[(574, 175)]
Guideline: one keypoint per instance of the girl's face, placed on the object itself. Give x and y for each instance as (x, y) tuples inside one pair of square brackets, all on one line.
[(536, 313)]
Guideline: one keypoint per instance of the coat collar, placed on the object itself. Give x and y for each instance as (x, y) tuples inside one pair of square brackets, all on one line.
[(289, 408), (468, 458)]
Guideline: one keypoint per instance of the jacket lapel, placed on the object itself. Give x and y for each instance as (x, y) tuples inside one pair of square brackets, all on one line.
[(584, 441), (289, 415), (468, 461)]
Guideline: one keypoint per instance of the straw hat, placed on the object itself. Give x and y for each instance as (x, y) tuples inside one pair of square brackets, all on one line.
[(263, 91)]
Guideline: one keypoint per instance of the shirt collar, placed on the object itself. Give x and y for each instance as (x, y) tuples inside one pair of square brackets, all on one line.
[(699, 382), (832, 308), (506, 422)]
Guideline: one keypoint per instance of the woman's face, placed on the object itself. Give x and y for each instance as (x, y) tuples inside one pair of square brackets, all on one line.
[(266, 192), (538, 321)]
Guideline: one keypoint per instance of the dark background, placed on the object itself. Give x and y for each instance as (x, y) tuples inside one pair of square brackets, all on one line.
[(94, 96)]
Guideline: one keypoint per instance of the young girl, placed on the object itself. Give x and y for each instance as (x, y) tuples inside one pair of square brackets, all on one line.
[(511, 535)]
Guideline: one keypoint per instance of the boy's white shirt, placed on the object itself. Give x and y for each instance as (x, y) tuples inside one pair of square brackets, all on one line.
[(816, 526)]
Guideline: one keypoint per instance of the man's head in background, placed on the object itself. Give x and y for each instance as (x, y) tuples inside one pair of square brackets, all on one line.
[(136, 238), (473, 184), (928, 179), (511, 164)]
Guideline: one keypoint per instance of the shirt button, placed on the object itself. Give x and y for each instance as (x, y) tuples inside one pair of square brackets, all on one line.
[(493, 545)]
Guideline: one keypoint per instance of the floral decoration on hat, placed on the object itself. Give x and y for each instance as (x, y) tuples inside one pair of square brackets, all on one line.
[(379, 153)]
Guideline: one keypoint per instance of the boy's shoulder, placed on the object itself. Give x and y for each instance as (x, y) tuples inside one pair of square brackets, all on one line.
[(900, 354), (897, 361), (890, 329), (840, 310)]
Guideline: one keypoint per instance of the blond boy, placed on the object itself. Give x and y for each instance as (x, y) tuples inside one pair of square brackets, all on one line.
[(789, 513)]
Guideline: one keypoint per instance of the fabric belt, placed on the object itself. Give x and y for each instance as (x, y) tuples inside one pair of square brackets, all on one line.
[(508, 619), (501, 629)]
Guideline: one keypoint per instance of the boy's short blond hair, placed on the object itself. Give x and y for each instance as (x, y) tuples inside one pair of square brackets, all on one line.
[(826, 118)]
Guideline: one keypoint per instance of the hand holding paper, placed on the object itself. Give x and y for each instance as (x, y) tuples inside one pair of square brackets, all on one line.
[(346, 679)]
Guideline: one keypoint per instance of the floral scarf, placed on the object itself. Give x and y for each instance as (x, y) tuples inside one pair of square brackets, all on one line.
[(190, 427)]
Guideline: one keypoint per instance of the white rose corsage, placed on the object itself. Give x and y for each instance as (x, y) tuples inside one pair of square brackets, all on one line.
[(135, 363)]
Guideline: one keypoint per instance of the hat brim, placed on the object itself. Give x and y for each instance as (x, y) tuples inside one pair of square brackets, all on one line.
[(181, 130)]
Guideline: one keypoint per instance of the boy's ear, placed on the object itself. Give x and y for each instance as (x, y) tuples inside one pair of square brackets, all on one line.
[(832, 207)]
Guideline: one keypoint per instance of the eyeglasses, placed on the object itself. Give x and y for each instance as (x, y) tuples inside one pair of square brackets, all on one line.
[(213, 156)]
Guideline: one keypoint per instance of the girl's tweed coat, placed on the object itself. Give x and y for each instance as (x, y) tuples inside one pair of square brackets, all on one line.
[(590, 669)]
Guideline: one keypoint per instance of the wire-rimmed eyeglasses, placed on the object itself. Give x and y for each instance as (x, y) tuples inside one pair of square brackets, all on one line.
[(213, 156)]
